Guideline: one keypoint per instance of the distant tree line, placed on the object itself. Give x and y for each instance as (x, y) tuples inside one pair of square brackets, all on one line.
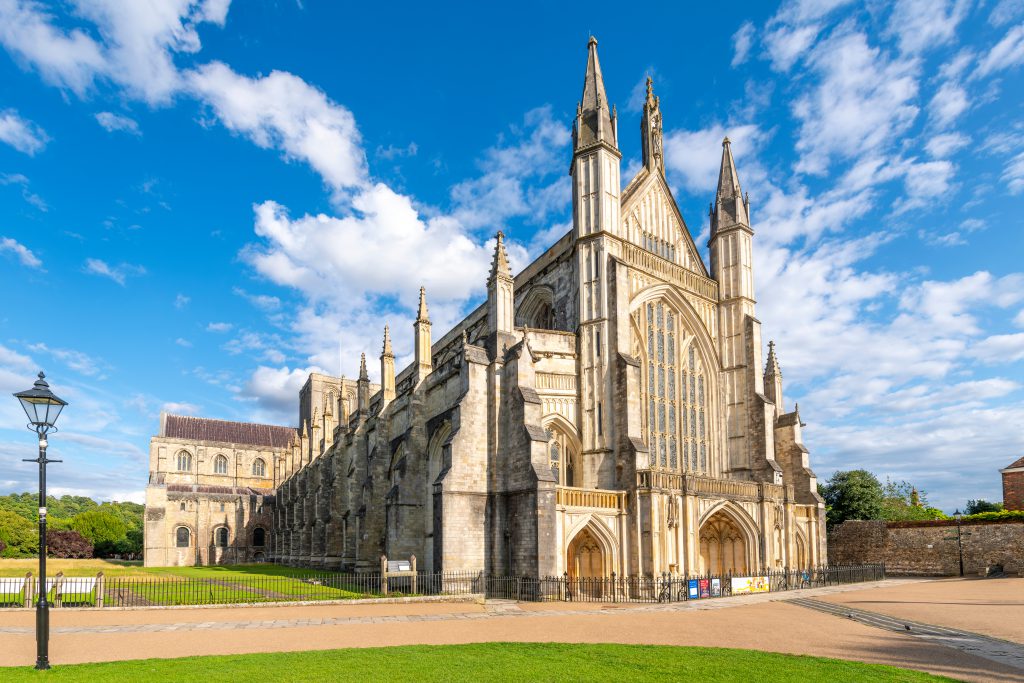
[(77, 527), (858, 494)]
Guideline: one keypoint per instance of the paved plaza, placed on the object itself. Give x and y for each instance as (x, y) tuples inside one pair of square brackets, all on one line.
[(967, 629)]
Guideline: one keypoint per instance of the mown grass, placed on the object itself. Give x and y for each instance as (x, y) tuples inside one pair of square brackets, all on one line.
[(120, 568), (487, 662)]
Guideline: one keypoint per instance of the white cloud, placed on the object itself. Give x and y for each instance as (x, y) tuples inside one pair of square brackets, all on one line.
[(999, 348), (116, 122), (180, 408), (1007, 53), (275, 391), (862, 102), (261, 301), (119, 273), (23, 253), (1018, 319), (945, 144), (181, 301), (920, 25), (924, 182), (26, 194), (282, 111), (180, 341), (787, 44), (948, 103), (219, 327), (696, 156), (1013, 174), (741, 42), (1006, 11), (21, 134), (78, 361)]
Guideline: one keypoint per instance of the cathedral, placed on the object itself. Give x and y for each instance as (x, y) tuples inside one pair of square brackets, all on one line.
[(608, 409)]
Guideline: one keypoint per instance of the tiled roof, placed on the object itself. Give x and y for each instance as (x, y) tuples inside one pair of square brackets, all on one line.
[(1017, 463), (248, 433)]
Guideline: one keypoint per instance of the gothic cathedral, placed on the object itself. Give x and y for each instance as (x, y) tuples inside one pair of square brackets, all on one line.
[(608, 409)]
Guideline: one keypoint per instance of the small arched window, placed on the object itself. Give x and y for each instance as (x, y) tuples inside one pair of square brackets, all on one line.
[(220, 465), (220, 537), (183, 506), (184, 461), (183, 537), (259, 468), (259, 537)]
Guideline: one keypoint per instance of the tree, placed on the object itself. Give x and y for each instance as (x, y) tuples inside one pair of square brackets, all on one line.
[(903, 502), (19, 536), (67, 544), (981, 505), (853, 494), (103, 528)]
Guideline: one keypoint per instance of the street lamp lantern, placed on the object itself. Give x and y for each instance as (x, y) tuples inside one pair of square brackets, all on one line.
[(42, 408), (957, 515), (41, 405)]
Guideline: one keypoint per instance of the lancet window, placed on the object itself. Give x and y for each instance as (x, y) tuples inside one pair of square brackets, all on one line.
[(676, 391), (562, 458)]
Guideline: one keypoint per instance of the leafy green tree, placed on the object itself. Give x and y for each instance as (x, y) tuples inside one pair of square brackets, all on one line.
[(103, 528), (902, 502), (852, 494), (19, 536), (976, 506)]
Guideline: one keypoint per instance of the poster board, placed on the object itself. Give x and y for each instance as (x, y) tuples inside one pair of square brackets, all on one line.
[(749, 584)]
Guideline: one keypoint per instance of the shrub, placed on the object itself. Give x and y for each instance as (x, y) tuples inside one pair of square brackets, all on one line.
[(996, 516), (67, 544)]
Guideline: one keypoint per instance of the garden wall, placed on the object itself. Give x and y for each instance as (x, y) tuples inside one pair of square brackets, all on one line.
[(929, 548)]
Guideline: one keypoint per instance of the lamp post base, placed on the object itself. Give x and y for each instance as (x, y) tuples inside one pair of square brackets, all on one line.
[(42, 631)]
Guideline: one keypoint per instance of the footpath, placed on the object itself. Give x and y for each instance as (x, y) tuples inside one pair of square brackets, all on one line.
[(980, 635)]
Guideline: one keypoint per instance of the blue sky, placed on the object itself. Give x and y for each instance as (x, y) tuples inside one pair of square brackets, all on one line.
[(201, 202)]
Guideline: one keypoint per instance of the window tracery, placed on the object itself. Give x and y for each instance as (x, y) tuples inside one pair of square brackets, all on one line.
[(562, 458), (220, 465), (676, 405), (184, 461), (259, 468)]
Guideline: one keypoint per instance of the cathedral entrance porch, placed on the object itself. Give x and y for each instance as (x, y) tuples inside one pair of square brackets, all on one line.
[(725, 547)]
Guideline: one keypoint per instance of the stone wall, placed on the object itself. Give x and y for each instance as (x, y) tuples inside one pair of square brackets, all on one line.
[(929, 548)]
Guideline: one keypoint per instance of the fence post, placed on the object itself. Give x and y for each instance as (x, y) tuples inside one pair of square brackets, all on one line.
[(99, 589), (384, 574), (412, 560), (30, 588)]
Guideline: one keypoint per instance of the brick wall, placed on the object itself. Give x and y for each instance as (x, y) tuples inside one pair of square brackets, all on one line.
[(929, 548), (1013, 490)]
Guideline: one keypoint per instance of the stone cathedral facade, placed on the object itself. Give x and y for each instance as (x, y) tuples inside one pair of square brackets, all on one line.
[(607, 409)]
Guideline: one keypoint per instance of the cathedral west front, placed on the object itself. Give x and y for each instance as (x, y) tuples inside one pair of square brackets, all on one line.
[(608, 409)]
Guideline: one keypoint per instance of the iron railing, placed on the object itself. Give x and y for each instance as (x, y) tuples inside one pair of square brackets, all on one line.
[(231, 589)]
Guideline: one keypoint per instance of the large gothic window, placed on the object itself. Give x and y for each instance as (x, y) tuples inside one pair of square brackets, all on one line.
[(259, 468), (220, 465), (676, 391), (184, 461)]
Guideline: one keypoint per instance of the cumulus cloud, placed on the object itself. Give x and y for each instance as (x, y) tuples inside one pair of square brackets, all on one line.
[(21, 134), (695, 156), (281, 111), (119, 273), (21, 252), (116, 122)]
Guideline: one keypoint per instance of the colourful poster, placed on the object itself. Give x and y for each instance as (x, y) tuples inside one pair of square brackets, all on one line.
[(749, 584), (692, 590), (705, 588), (716, 588)]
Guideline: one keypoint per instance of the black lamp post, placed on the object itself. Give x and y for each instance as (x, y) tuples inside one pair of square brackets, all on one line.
[(959, 540), (42, 407)]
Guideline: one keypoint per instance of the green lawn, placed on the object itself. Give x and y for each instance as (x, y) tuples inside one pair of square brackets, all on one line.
[(489, 662)]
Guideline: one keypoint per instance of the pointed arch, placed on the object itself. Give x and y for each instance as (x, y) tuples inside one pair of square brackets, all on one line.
[(731, 513), (606, 540), (537, 309), (565, 451)]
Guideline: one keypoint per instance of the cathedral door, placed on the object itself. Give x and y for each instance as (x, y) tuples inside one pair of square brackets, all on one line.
[(723, 547), (585, 562)]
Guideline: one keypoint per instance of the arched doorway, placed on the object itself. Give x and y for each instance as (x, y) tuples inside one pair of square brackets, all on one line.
[(585, 562), (723, 546)]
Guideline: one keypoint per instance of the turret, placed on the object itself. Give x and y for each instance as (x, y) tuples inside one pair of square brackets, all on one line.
[(387, 368), (424, 360)]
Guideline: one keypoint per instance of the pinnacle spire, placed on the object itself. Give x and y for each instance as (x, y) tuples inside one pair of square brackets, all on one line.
[(422, 315), (731, 207), (387, 343), (363, 374), (593, 119), (499, 266), (772, 365)]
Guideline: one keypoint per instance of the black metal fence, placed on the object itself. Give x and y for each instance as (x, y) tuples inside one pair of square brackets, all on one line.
[(233, 589)]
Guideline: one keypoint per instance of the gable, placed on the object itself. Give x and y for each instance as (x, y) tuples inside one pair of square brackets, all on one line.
[(651, 220)]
